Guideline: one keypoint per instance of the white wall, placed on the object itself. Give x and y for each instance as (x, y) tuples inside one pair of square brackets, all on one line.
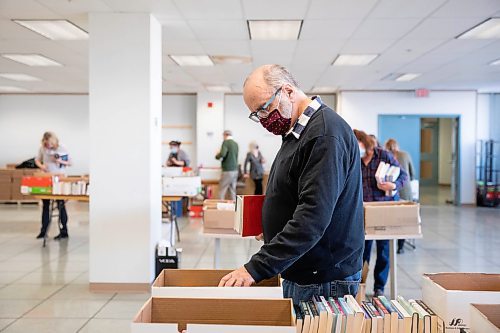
[(179, 110), (361, 110), (444, 168), (24, 118), (209, 127)]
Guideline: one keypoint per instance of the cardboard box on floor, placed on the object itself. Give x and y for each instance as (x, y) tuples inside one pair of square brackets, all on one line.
[(392, 218), (485, 318), (202, 283), (450, 294), (214, 315)]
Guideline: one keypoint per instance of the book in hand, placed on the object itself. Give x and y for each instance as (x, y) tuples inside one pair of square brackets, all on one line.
[(248, 219)]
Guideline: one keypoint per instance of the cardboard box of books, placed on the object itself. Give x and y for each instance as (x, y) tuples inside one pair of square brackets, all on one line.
[(218, 214), (215, 315), (203, 283), (392, 218), (450, 294), (485, 318)]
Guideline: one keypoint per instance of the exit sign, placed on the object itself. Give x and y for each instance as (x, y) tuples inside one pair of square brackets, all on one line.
[(422, 92)]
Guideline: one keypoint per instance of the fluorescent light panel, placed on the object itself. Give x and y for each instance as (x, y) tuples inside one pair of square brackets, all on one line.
[(407, 77), (495, 62), (192, 60), (218, 88), (231, 60), (354, 59), (489, 29), (54, 29), (32, 59), (19, 77), (11, 89), (274, 29)]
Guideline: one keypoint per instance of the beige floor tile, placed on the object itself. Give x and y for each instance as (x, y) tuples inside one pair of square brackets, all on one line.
[(25, 325), (55, 308), (80, 292), (46, 277), (28, 291), (16, 308), (132, 297), (120, 309), (5, 322), (106, 326)]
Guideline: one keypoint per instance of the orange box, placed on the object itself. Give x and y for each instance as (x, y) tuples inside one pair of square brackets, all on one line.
[(36, 181)]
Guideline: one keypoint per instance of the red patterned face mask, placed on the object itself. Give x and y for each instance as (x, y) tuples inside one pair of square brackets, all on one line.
[(276, 123)]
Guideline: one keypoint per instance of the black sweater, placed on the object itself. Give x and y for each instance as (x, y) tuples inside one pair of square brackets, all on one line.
[(313, 212)]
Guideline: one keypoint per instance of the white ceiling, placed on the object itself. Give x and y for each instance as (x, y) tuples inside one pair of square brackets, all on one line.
[(410, 36)]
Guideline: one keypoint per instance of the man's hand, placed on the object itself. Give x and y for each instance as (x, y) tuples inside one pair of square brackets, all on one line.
[(43, 168), (386, 186), (237, 278), (246, 175), (260, 237)]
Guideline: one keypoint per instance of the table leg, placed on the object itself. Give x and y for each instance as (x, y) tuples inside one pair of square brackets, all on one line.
[(217, 253), (393, 268), (172, 221)]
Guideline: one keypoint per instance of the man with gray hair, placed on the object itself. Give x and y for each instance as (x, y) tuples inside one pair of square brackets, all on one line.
[(312, 216), (228, 154)]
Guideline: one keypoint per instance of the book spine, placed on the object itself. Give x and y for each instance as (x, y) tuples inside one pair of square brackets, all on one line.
[(305, 309), (298, 312), (314, 310), (370, 309), (426, 307), (345, 307), (385, 302), (336, 308), (381, 308)]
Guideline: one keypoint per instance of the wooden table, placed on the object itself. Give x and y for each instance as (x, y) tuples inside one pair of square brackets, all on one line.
[(53, 198)]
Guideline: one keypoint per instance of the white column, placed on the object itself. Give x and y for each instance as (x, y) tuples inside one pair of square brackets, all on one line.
[(125, 149), (209, 127)]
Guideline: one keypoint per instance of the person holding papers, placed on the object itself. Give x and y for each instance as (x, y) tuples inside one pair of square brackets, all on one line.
[(312, 216), (375, 189)]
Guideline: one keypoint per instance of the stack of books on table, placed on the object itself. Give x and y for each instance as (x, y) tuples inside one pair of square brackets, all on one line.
[(381, 315)]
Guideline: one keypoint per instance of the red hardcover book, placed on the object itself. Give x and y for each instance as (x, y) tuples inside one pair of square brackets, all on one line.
[(249, 215)]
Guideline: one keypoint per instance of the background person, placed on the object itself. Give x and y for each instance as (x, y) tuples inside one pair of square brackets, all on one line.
[(177, 156), (228, 154), (53, 158), (371, 156), (312, 216), (406, 163), (256, 161)]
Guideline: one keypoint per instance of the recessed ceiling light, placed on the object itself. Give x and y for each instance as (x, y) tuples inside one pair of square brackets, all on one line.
[(231, 60), (354, 59), (495, 62), (32, 59), (54, 29), (192, 60), (324, 90), (274, 29), (489, 29), (407, 77), (19, 77), (218, 88), (11, 89)]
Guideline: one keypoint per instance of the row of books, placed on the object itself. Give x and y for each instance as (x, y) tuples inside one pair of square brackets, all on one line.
[(381, 315)]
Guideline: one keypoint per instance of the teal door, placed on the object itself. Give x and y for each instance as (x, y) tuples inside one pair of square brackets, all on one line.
[(406, 131)]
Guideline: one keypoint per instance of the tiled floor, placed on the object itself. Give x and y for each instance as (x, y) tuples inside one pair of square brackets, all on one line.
[(46, 289)]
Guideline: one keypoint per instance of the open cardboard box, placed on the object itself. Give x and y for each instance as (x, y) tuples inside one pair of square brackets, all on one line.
[(392, 218), (450, 295), (213, 315), (214, 218), (485, 318), (202, 283)]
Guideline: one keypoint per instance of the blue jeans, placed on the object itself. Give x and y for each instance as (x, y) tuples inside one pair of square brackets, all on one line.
[(382, 265), (335, 289)]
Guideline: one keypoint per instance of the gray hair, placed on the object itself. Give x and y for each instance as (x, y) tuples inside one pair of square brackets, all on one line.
[(228, 132), (276, 76)]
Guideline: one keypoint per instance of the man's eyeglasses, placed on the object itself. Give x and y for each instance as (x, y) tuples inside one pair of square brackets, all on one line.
[(263, 111)]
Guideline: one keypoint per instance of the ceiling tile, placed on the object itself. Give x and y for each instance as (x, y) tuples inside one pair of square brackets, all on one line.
[(276, 9), (344, 9), (220, 29), (75, 7), (467, 8), (370, 46), (25, 9), (384, 28), (213, 9), (328, 29), (408, 9), (442, 28), (178, 47), (177, 30), (218, 47), (305, 53)]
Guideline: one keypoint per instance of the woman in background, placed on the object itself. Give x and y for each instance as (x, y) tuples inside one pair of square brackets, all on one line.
[(406, 163), (256, 161), (53, 158)]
